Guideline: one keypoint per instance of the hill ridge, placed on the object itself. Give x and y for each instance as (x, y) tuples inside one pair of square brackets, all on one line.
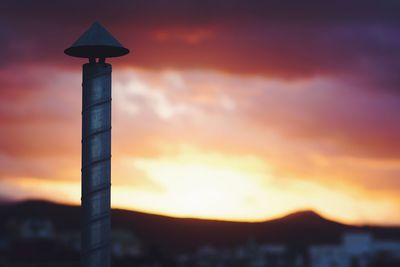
[(291, 215), (176, 235)]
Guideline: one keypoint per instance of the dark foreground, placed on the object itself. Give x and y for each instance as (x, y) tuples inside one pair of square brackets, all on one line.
[(37, 233)]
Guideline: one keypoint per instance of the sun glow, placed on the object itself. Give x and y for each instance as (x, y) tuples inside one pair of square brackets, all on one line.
[(205, 184)]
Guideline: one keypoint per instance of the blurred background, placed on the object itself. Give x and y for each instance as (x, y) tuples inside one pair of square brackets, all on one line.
[(273, 125)]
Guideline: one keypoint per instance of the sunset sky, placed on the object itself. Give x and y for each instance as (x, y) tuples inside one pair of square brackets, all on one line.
[(235, 110)]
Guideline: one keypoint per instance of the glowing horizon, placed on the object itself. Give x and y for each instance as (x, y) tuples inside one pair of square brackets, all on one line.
[(201, 157)]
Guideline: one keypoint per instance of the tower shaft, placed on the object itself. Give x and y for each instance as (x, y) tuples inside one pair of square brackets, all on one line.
[(96, 165)]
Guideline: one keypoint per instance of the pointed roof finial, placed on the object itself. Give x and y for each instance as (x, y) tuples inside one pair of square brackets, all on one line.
[(96, 42)]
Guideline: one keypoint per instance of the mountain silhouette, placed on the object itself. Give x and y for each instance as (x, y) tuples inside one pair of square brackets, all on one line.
[(176, 235)]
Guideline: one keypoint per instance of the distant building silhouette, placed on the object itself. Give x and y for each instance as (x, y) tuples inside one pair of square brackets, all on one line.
[(37, 229), (356, 249)]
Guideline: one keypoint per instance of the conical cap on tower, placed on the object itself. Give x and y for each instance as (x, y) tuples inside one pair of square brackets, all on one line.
[(96, 42)]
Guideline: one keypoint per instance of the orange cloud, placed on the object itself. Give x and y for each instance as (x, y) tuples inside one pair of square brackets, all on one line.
[(228, 136), (309, 96)]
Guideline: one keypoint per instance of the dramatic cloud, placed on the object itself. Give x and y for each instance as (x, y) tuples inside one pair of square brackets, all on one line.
[(284, 100), (290, 40)]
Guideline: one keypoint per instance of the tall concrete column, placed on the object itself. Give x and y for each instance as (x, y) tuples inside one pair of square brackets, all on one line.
[(96, 164), (96, 44)]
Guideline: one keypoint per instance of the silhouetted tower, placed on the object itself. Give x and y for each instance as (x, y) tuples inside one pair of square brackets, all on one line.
[(96, 44)]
